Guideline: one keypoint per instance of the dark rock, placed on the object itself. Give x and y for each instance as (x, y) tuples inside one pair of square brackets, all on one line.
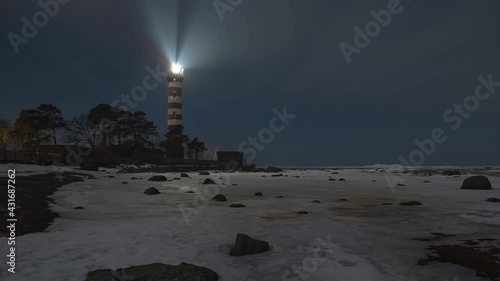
[(302, 213), (157, 178), (133, 178), (246, 245), (184, 175), (387, 204), (410, 203), (79, 208), (190, 191), (316, 201), (152, 191), (258, 194), (341, 179), (236, 206), (208, 181), (476, 183), (451, 173), (277, 175), (427, 181), (91, 177), (111, 177), (177, 179), (272, 169), (374, 181), (495, 200), (400, 184), (234, 184), (332, 179), (279, 196), (220, 198), (155, 272), (342, 200), (204, 173), (124, 182)]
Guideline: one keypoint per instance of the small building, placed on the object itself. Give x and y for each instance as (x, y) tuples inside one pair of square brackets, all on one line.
[(233, 160)]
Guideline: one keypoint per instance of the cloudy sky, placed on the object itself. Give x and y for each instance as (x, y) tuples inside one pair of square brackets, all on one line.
[(271, 54)]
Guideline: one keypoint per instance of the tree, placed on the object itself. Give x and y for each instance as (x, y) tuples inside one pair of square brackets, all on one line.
[(30, 129), (141, 129), (51, 119), (82, 129), (196, 149), (104, 117), (5, 138)]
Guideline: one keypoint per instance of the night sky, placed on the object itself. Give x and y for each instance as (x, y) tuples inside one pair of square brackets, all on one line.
[(270, 54)]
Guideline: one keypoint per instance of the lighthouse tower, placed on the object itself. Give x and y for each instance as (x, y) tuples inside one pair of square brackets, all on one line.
[(175, 79), (175, 148)]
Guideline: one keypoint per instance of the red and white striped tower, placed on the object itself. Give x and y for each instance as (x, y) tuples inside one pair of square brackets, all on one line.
[(175, 79)]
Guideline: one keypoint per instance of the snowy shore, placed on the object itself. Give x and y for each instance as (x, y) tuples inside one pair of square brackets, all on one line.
[(368, 240)]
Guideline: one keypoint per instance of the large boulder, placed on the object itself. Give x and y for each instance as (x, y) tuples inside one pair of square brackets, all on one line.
[(246, 245), (152, 191), (155, 272), (476, 183), (157, 178)]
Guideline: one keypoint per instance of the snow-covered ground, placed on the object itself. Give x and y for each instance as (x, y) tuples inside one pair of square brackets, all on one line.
[(360, 239)]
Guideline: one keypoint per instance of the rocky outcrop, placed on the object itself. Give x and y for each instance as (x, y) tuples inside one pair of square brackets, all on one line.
[(155, 272)]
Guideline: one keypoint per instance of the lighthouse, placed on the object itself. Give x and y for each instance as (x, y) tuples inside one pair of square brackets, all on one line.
[(175, 79), (175, 139)]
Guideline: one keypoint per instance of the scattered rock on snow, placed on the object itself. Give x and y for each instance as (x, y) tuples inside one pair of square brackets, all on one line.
[(476, 183), (410, 203), (451, 173), (236, 206), (220, 198), (157, 178), (495, 200), (152, 191), (246, 245), (208, 181), (79, 208), (184, 175), (316, 201), (259, 194)]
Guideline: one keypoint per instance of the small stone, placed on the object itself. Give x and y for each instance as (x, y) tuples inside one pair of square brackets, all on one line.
[(152, 191), (495, 200), (341, 179), (236, 206), (184, 175), (259, 194), (220, 198), (316, 201), (302, 213), (79, 208), (410, 203), (208, 181), (124, 182), (157, 178), (279, 196), (204, 173)]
